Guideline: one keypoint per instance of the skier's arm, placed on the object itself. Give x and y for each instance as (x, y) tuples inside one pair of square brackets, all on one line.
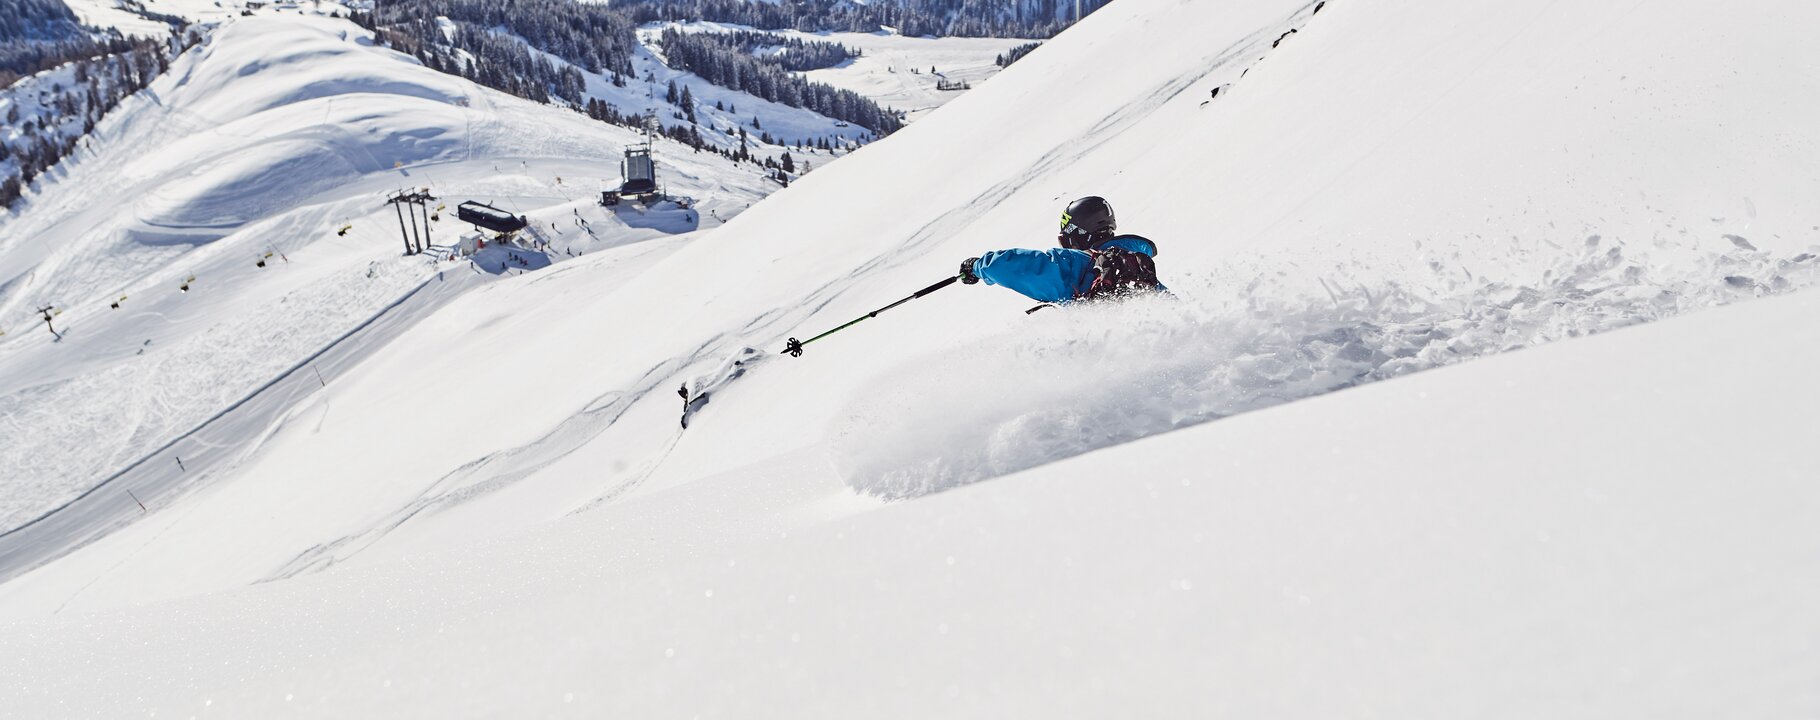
[(1050, 276)]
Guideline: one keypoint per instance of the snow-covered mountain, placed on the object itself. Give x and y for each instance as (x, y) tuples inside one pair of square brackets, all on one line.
[(155, 18), (273, 153), (943, 18), (907, 74), (1157, 508), (749, 94), (230, 223)]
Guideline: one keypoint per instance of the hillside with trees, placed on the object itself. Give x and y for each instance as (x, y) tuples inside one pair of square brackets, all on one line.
[(723, 60), (36, 35), (65, 84), (492, 43), (940, 18)]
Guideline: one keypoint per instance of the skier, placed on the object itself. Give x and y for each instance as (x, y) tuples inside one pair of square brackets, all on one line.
[(1094, 262)]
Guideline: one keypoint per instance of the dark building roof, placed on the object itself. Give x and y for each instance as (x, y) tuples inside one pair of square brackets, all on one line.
[(489, 217)]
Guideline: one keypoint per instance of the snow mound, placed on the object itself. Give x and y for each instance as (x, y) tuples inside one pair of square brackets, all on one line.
[(258, 179), (1096, 376), (277, 128), (252, 183), (271, 63)]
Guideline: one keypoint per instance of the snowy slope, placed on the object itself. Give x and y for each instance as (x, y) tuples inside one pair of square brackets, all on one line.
[(590, 376), (1449, 544), (883, 71), (720, 127), (260, 146), (146, 18), (111, 14), (33, 100), (1607, 526), (721, 113)]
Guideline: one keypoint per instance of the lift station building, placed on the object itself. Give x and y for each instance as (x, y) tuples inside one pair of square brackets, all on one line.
[(482, 215)]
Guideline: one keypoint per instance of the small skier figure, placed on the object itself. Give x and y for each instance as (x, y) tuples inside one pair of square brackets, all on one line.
[(690, 404), (47, 322), (1094, 261)]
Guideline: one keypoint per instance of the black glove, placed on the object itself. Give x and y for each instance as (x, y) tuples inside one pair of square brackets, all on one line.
[(967, 275)]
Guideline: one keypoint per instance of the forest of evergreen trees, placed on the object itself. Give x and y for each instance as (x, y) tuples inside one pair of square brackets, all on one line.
[(100, 84), (1015, 54), (797, 55), (592, 36), (601, 39), (37, 20), (498, 62), (941, 18), (721, 61), (36, 35)]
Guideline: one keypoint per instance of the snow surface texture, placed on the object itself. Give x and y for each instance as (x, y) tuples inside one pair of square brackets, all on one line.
[(498, 513), (1261, 169), (125, 17), (271, 137), (109, 14), (1415, 548), (1239, 344), (883, 71), (33, 98)]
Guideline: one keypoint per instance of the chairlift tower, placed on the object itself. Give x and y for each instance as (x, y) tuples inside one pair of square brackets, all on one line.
[(50, 311), (419, 200)]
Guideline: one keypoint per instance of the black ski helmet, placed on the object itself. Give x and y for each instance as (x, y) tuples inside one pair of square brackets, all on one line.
[(1086, 221)]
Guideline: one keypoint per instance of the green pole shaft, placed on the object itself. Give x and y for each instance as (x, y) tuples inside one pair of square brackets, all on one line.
[(849, 324), (796, 348)]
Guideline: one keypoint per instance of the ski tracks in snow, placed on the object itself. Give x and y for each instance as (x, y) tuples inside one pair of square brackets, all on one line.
[(503, 469), (191, 458), (506, 468), (964, 214)]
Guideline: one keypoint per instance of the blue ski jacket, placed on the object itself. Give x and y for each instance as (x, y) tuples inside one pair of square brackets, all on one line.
[(1058, 275)]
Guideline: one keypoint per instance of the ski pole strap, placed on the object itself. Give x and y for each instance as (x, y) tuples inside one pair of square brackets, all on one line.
[(794, 347)]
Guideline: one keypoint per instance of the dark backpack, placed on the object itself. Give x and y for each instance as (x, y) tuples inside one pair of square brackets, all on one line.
[(1119, 273)]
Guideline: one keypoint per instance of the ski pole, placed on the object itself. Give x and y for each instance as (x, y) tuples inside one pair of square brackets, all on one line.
[(795, 347)]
